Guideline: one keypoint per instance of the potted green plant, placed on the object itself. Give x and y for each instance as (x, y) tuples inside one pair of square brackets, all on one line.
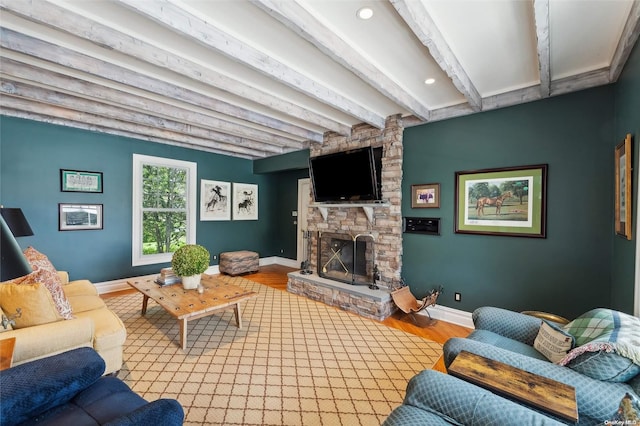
[(189, 262)]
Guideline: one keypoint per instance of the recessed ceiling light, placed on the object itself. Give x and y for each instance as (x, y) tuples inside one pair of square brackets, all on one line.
[(430, 81), (365, 13)]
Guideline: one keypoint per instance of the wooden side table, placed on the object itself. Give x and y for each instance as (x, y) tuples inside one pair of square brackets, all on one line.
[(539, 392), (6, 352)]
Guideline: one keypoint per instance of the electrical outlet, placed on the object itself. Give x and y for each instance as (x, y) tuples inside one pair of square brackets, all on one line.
[(281, 250), (457, 297), (215, 257)]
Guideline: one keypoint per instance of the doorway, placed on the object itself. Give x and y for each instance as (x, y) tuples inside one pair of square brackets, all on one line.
[(304, 199)]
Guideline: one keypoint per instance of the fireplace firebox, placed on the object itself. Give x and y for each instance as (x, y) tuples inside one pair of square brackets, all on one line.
[(346, 258)]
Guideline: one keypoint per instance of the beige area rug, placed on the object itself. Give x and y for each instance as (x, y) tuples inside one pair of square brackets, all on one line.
[(294, 362)]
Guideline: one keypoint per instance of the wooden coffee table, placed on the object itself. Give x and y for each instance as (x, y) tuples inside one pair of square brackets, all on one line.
[(187, 305), (540, 392)]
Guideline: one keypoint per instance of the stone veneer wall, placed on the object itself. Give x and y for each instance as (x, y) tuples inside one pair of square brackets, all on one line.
[(386, 226)]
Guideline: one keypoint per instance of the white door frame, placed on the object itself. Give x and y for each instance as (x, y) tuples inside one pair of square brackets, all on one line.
[(303, 208)]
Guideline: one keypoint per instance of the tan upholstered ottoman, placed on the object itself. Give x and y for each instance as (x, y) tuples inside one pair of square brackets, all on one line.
[(238, 262)]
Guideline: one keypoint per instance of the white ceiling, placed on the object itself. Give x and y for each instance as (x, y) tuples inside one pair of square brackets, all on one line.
[(259, 78)]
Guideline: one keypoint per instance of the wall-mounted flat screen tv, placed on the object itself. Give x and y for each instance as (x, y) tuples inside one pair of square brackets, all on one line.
[(347, 176)]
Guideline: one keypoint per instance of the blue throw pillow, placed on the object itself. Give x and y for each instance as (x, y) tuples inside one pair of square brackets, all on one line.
[(605, 366)]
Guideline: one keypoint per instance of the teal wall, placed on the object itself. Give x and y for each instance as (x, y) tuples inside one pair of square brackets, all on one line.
[(32, 155), (566, 273), (287, 202), (627, 120), (297, 160)]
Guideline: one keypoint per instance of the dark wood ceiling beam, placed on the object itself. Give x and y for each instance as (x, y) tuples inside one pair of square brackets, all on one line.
[(182, 22), (299, 20), (68, 21), (415, 14)]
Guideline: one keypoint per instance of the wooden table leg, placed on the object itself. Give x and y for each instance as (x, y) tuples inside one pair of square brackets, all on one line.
[(182, 323), (236, 311), (145, 300)]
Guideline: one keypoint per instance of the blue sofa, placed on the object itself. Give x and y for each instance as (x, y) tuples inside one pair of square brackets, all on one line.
[(70, 389), (601, 379)]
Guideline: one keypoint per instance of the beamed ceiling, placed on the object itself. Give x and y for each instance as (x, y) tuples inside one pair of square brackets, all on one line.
[(258, 78)]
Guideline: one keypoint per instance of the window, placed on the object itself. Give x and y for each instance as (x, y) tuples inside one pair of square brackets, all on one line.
[(164, 208)]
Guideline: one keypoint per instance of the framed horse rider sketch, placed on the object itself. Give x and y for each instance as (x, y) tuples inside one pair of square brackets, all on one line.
[(215, 200), (509, 201), (245, 201)]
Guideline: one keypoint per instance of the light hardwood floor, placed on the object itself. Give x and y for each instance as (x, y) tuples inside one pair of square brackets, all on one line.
[(275, 276)]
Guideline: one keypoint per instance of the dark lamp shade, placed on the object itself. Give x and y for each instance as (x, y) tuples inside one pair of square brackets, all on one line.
[(16, 222), (13, 264)]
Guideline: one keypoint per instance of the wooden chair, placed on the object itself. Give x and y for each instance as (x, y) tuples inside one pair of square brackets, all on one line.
[(406, 301)]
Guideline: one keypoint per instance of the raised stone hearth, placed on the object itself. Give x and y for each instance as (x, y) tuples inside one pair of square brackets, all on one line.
[(361, 300)]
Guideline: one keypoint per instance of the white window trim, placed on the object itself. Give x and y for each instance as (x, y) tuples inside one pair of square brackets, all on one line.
[(137, 258)]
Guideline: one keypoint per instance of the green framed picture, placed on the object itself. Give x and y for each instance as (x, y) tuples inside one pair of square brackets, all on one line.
[(507, 201), (80, 181)]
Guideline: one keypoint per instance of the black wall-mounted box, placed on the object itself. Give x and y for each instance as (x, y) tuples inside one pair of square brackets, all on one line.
[(421, 225)]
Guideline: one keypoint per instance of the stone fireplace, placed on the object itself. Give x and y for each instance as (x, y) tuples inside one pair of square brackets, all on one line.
[(346, 258), (378, 225)]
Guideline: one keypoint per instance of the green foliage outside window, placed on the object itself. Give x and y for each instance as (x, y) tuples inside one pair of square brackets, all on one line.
[(164, 217)]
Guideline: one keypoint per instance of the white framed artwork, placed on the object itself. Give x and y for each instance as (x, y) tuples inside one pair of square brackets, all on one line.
[(245, 201), (215, 200)]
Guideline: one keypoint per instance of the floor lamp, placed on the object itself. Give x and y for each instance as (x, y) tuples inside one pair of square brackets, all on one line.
[(13, 264)]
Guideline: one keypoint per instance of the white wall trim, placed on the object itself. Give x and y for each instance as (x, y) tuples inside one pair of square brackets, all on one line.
[(444, 313), (105, 287), (454, 316)]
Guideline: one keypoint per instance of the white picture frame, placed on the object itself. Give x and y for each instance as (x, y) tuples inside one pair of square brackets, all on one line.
[(245, 201), (215, 200)]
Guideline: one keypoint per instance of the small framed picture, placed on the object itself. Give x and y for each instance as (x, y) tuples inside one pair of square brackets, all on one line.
[(79, 217), (425, 196), (80, 181)]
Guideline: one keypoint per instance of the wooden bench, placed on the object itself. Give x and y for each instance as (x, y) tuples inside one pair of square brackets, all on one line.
[(238, 262)]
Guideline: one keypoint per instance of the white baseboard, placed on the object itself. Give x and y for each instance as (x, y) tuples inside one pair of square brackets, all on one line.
[(454, 316), (121, 284), (443, 313)]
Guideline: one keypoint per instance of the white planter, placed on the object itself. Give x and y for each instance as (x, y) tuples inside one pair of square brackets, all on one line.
[(191, 282)]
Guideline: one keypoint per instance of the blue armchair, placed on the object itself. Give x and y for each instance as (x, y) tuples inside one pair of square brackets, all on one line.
[(435, 399), (508, 337), (69, 389)]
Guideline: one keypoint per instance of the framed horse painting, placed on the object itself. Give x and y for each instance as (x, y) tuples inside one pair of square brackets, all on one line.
[(507, 201), (425, 196)]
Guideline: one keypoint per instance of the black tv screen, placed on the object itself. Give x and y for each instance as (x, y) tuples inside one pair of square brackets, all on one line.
[(345, 176)]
